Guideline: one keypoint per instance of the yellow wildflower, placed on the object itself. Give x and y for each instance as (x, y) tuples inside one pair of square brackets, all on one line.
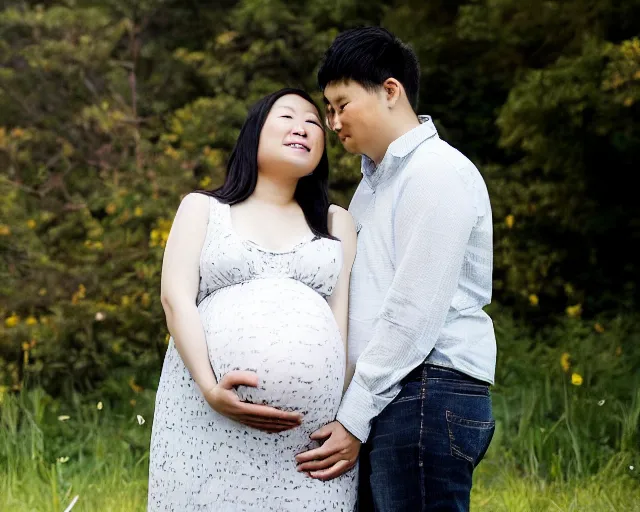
[(138, 211), (565, 361), (136, 388), (154, 238), (31, 320), (509, 221), (226, 37), (205, 182), (79, 294), (574, 311), (12, 321), (576, 379), (171, 152), (160, 235), (5, 230), (31, 224), (99, 406), (16, 133), (125, 301), (533, 299), (598, 328), (25, 346)]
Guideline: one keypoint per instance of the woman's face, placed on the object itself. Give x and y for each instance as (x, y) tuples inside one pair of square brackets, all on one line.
[(292, 138)]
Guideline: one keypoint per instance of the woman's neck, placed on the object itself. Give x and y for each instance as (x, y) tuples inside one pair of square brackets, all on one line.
[(273, 190)]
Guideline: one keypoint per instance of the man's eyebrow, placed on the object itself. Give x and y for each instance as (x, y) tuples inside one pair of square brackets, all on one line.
[(339, 99)]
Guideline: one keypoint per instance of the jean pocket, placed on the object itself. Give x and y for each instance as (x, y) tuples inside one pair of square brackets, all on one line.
[(469, 439), (460, 387)]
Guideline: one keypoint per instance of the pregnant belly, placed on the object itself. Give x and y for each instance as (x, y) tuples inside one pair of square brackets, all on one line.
[(287, 334)]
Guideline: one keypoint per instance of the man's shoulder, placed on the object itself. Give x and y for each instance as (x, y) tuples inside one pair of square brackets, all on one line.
[(436, 153), (438, 170)]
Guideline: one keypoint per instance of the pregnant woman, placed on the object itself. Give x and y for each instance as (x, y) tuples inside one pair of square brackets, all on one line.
[(255, 284)]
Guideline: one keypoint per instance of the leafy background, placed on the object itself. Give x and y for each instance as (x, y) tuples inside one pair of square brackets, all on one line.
[(111, 111)]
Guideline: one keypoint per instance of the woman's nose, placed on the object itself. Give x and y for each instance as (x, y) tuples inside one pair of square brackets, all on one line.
[(300, 131)]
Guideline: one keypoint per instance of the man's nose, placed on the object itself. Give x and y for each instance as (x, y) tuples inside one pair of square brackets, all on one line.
[(336, 125)]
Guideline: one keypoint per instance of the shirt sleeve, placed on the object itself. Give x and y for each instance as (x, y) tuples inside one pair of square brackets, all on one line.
[(432, 224)]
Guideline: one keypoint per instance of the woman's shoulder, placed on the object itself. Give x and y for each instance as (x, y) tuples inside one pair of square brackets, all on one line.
[(340, 223), (194, 203), (196, 207)]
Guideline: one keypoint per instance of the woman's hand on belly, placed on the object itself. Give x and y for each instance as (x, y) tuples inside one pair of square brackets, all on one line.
[(223, 399)]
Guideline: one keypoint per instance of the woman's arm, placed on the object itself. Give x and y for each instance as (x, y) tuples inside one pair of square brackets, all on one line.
[(179, 287), (179, 290), (341, 226)]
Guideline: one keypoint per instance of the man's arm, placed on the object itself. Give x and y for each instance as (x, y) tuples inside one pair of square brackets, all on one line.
[(433, 222)]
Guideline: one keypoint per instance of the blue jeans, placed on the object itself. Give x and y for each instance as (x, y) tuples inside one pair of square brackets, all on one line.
[(424, 446)]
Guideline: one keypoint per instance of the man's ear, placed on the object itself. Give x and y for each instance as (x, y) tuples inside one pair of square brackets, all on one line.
[(393, 91)]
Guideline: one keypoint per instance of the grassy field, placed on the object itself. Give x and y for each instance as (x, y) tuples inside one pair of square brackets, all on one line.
[(122, 488), (50, 453)]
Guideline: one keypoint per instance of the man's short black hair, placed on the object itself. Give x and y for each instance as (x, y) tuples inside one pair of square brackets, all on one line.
[(369, 56)]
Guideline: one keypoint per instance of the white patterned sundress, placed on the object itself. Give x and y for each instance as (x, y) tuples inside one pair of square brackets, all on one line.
[(267, 312)]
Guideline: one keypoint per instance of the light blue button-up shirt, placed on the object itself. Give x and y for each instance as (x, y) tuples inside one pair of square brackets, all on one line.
[(422, 272)]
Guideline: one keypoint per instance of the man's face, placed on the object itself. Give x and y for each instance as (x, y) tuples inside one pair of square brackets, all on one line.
[(355, 114)]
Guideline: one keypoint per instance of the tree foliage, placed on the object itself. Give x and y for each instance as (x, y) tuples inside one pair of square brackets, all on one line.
[(110, 111)]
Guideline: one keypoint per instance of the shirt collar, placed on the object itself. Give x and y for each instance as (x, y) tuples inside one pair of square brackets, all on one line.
[(397, 150)]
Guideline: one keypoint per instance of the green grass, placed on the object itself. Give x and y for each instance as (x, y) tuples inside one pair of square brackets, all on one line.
[(123, 489), (107, 464), (499, 488)]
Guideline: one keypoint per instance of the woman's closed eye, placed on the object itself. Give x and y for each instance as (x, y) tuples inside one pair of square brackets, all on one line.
[(308, 120)]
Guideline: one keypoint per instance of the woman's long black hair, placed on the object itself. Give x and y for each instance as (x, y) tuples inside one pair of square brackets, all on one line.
[(312, 192)]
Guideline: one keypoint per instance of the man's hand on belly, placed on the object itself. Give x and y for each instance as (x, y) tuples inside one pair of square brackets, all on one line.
[(223, 399), (337, 455)]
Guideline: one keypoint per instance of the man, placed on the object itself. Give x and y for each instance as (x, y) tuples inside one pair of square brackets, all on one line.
[(425, 349)]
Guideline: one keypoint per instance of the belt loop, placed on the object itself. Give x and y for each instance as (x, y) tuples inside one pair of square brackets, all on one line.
[(423, 386)]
